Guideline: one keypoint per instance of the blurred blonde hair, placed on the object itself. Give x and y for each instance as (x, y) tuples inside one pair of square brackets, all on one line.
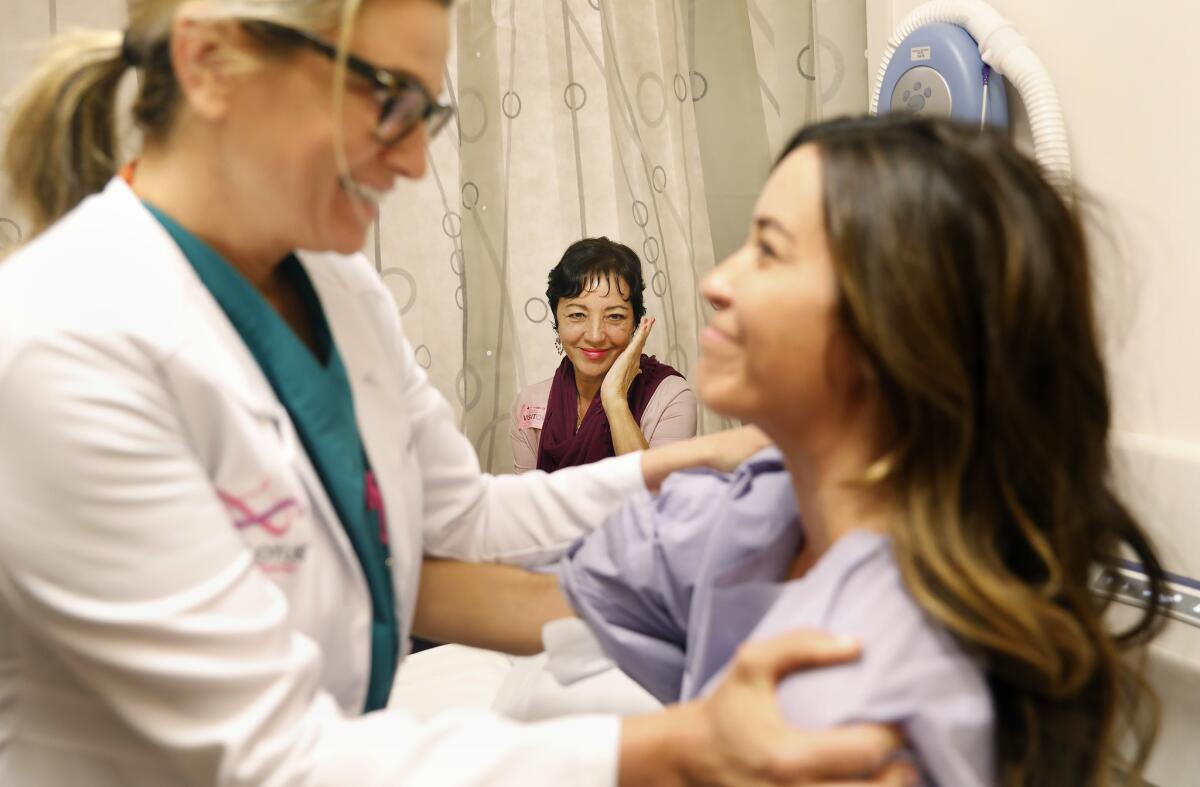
[(61, 142)]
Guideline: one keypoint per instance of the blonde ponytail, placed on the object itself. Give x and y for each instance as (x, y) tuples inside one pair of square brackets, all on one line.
[(61, 141), (62, 137)]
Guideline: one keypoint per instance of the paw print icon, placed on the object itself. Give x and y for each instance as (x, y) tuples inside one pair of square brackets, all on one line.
[(915, 97)]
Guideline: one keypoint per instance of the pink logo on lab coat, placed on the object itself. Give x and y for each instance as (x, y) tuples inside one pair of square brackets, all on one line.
[(273, 515)]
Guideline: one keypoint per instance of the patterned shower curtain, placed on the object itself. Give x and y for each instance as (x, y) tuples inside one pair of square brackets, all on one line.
[(653, 122)]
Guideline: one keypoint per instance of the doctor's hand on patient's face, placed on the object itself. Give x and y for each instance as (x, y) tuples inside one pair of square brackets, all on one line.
[(738, 736)]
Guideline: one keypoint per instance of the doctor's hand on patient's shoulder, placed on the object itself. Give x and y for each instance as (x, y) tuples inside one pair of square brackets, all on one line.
[(738, 736), (722, 451), (729, 448)]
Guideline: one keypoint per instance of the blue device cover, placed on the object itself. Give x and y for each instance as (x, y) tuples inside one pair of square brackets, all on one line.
[(951, 52)]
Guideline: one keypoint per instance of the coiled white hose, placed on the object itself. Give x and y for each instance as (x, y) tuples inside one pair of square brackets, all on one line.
[(1002, 48)]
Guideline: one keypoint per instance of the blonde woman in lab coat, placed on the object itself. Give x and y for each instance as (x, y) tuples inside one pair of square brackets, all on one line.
[(220, 464)]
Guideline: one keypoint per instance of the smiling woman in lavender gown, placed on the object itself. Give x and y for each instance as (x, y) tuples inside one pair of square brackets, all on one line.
[(910, 320)]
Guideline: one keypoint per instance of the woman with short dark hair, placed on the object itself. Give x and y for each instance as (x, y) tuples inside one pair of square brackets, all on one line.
[(606, 398)]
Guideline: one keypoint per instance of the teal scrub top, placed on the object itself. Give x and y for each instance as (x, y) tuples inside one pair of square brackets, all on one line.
[(316, 393)]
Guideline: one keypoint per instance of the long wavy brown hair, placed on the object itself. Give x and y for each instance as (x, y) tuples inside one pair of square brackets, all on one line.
[(965, 282)]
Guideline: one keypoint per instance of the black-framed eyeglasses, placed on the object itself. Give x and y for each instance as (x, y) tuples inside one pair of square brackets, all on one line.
[(404, 103)]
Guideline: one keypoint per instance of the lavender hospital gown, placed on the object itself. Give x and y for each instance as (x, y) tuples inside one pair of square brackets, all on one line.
[(673, 583)]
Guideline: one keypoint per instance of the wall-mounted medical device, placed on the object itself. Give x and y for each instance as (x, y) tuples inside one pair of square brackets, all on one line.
[(934, 63), (937, 70)]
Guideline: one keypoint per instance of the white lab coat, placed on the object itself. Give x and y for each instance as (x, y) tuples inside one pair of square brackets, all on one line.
[(178, 603)]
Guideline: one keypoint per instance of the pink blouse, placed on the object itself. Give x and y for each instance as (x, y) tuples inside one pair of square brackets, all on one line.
[(670, 416)]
